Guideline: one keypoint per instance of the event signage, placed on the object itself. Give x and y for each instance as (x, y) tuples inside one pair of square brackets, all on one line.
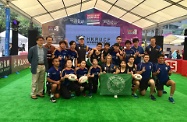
[(93, 19), (92, 34), (19, 62), (172, 64), (5, 68), (7, 34), (132, 31)]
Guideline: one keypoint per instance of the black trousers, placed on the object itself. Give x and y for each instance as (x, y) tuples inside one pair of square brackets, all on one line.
[(85, 85), (65, 91), (93, 84)]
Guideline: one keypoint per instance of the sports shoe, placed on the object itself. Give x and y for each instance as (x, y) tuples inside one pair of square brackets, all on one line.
[(171, 99), (115, 96), (53, 100), (164, 92), (135, 95), (152, 97)]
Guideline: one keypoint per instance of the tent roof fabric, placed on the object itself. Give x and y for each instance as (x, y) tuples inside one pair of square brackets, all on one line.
[(142, 13)]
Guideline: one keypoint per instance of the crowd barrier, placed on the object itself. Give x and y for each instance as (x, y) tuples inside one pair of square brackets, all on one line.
[(178, 66), (12, 64)]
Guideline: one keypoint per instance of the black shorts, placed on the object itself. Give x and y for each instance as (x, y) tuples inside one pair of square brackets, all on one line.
[(144, 84), (48, 85), (160, 85)]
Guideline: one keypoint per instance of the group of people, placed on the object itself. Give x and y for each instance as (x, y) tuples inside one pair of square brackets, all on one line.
[(72, 59)]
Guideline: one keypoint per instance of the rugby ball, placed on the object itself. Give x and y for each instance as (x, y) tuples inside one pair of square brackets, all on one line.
[(72, 77), (83, 79), (137, 76)]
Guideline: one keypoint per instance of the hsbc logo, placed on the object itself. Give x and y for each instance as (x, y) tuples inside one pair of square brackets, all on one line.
[(172, 64)]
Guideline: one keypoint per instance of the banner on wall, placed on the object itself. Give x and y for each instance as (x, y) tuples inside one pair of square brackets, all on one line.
[(92, 34), (112, 84), (93, 19), (5, 68), (19, 63)]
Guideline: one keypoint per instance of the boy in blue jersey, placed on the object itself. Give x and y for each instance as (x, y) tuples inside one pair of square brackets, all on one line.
[(82, 71), (117, 55), (145, 69), (72, 53), (128, 51), (54, 76), (93, 75), (61, 53), (139, 52), (68, 86), (162, 71)]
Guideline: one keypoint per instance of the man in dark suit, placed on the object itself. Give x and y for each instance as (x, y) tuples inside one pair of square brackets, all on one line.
[(37, 57)]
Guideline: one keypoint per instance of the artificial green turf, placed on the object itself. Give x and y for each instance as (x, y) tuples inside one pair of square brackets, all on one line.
[(17, 106)]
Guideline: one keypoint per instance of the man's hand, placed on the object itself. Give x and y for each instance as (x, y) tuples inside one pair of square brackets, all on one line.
[(58, 82), (158, 71), (66, 76), (143, 69), (117, 54)]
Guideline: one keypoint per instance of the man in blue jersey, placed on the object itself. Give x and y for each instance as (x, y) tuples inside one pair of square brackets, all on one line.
[(54, 75), (139, 52), (61, 53), (128, 51), (118, 41), (117, 55), (145, 69), (162, 71), (153, 50), (72, 53)]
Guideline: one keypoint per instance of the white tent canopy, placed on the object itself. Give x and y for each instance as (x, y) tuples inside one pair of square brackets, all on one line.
[(142, 13), (174, 39), (21, 39)]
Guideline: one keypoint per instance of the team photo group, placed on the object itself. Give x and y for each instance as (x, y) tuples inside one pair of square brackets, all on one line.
[(73, 69)]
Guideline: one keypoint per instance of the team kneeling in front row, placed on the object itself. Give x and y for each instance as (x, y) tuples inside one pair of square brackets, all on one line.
[(62, 82)]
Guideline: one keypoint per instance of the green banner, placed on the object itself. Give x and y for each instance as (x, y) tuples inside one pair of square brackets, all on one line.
[(115, 84)]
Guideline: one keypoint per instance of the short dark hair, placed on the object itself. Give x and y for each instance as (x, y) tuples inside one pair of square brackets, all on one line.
[(118, 37), (161, 55), (146, 55), (54, 58), (62, 42), (135, 40), (71, 42), (49, 37), (131, 57), (122, 61), (107, 44), (95, 59), (99, 43), (153, 38), (128, 42), (68, 60), (39, 37)]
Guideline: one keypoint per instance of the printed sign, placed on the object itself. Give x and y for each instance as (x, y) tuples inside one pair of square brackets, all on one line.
[(172, 64), (5, 68), (19, 62)]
